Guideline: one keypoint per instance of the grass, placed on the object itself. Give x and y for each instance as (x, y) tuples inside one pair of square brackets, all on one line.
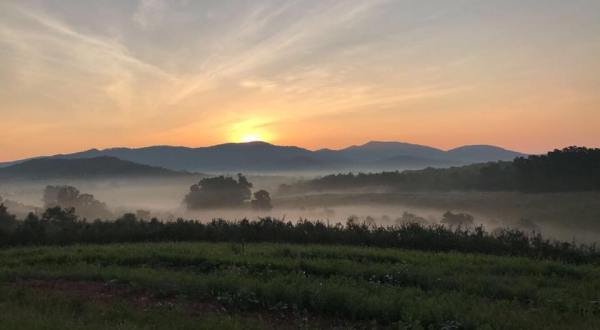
[(298, 286)]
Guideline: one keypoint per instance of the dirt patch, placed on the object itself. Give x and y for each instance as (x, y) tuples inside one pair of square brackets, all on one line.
[(107, 293)]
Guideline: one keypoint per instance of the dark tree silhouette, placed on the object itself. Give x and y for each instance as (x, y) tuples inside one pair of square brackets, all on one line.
[(262, 200), (218, 192), (8, 222), (60, 226), (65, 196), (69, 197), (569, 169)]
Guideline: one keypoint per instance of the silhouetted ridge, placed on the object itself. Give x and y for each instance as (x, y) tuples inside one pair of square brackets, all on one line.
[(481, 153), (569, 169), (103, 166), (261, 156)]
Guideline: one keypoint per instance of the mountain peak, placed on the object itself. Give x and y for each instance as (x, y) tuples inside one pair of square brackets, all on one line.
[(390, 144), (483, 153), (392, 147), (261, 156), (477, 147), (250, 144)]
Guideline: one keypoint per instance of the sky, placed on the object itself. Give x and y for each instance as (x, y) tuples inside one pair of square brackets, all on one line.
[(74, 75)]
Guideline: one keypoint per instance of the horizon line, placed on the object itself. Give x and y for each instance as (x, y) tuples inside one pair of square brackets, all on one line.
[(272, 144)]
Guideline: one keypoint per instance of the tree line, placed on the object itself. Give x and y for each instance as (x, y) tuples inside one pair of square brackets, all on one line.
[(569, 169), (60, 226)]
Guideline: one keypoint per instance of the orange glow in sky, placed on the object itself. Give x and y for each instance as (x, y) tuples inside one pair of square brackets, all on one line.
[(521, 74)]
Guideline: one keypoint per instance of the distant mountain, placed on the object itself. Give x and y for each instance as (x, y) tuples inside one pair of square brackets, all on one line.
[(83, 168), (377, 151), (378, 155), (569, 169), (482, 153), (265, 157), (230, 157)]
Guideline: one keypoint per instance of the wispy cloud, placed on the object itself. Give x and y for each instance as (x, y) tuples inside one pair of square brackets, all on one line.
[(297, 37), (64, 36), (156, 70)]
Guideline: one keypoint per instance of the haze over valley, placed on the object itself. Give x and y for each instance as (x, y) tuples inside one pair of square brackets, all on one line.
[(313, 164), (129, 187)]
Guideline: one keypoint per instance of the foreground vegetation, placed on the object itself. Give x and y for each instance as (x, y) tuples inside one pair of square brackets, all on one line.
[(62, 226), (282, 285), (25, 307), (275, 274)]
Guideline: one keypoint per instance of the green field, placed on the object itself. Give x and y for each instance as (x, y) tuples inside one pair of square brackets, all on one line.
[(223, 285)]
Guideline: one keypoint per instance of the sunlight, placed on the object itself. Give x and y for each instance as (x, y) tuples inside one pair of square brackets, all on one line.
[(250, 130), (251, 138)]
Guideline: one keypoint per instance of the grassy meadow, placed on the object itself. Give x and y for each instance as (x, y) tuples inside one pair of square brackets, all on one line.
[(276, 285)]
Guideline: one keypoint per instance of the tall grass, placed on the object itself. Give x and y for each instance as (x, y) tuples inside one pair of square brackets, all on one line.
[(389, 287)]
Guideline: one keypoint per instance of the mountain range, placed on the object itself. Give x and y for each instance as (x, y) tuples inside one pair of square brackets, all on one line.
[(264, 157), (87, 168)]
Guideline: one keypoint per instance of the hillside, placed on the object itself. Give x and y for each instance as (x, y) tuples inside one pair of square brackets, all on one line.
[(481, 153), (265, 157), (569, 169), (82, 168)]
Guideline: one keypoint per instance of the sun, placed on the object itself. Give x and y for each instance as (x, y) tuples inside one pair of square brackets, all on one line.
[(250, 130), (250, 138)]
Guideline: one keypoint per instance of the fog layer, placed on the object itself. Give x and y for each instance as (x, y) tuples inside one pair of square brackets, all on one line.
[(565, 216)]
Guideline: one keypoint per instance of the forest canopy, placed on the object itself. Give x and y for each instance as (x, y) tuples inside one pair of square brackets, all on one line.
[(569, 169)]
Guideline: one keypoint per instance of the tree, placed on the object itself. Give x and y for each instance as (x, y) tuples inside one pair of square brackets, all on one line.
[(569, 169), (59, 216), (218, 192), (262, 200), (64, 196), (69, 197), (8, 223)]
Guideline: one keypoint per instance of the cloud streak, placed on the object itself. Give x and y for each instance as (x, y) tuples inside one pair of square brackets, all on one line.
[(188, 72)]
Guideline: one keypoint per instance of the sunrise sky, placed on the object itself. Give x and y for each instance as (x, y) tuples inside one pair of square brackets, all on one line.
[(75, 75)]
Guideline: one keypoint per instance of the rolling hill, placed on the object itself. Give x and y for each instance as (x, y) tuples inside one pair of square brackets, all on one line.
[(265, 157), (481, 153), (83, 168)]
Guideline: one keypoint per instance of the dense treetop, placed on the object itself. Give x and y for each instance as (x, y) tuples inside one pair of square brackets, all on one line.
[(219, 192), (569, 169)]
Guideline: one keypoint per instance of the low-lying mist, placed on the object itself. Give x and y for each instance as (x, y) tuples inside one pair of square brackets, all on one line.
[(564, 216)]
